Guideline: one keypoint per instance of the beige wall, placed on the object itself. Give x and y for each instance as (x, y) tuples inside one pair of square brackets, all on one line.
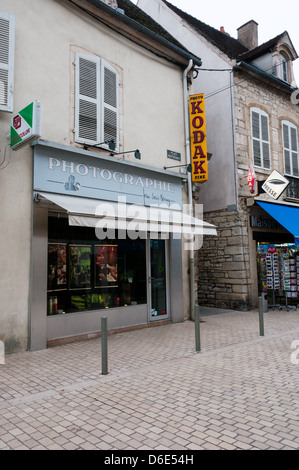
[(47, 34), (219, 191)]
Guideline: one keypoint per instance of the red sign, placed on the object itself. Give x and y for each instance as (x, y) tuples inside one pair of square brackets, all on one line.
[(17, 121), (251, 179)]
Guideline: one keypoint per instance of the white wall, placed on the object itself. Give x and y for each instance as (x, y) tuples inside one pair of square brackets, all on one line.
[(265, 62), (219, 191)]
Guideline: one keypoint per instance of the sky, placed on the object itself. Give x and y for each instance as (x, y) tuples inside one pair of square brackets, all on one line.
[(273, 16)]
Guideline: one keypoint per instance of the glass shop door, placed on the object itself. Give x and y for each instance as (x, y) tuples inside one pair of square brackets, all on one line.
[(158, 280)]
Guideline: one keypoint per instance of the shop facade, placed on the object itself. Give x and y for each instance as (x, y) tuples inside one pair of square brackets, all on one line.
[(95, 271), (277, 253), (234, 266), (111, 89), (108, 240)]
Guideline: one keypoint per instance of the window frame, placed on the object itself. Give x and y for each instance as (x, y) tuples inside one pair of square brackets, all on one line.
[(101, 67), (289, 149), (284, 73), (262, 142), (9, 66)]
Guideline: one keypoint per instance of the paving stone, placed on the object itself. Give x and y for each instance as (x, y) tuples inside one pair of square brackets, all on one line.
[(240, 392)]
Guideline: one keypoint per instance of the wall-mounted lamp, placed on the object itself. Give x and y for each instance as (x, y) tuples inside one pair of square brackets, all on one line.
[(111, 145), (189, 167), (137, 154)]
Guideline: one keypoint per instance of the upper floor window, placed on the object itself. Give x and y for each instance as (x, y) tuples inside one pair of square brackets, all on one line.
[(96, 101), (7, 40), (283, 68), (290, 149), (260, 139)]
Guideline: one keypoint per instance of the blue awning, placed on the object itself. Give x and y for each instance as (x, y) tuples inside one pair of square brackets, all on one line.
[(287, 216)]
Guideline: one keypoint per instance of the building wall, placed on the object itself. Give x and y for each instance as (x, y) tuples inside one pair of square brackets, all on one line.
[(222, 277), (227, 276), (278, 106), (226, 264), (48, 33), (219, 120), (265, 62)]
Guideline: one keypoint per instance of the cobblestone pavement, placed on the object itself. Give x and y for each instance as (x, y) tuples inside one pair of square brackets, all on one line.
[(240, 392)]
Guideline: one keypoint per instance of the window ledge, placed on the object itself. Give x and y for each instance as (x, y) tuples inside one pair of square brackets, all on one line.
[(291, 199)]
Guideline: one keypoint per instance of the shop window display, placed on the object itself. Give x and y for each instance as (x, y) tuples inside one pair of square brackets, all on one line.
[(86, 274), (278, 270)]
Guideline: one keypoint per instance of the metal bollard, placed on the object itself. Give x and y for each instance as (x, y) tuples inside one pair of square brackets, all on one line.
[(197, 327), (261, 316), (104, 346)]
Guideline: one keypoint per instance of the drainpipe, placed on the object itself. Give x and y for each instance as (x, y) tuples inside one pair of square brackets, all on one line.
[(190, 197)]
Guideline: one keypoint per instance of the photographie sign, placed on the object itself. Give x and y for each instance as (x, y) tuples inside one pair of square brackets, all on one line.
[(275, 185), (73, 174), (25, 125), (199, 154)]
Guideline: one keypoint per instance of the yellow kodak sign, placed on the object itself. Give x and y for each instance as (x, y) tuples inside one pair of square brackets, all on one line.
[(199, 155)]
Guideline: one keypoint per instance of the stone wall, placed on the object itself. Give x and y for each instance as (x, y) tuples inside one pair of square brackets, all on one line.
[(226, 264), (222, 274), (253, 93)]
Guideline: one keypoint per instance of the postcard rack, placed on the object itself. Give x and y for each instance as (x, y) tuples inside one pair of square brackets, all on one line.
[(280, 278)]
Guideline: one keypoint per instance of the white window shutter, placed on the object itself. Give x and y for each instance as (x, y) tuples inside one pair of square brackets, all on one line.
[(290, 149), (260, 139), (255, 125), (294, 146), (257, 157), (256, 144), (87, 100), (110, 112), (7, 47), (286, 149), (266, 142)]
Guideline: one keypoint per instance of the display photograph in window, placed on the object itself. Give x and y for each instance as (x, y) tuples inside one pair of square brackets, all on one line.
[(57, 266), (80, 266), (85, 274), (260, 139), (106, 266)]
